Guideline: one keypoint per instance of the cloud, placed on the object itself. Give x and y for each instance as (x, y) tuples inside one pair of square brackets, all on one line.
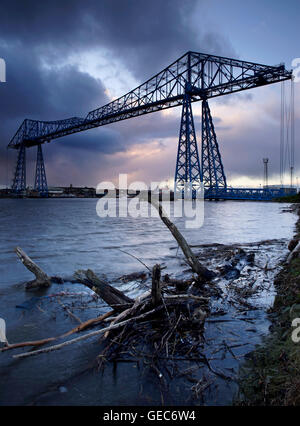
[(43, 44), (250, 131), (32, 92), (144, 35)]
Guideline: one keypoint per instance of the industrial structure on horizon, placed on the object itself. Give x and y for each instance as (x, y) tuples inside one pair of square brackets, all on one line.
[(191, 78)]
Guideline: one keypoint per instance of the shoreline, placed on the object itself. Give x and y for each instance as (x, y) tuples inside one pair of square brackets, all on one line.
[(234, 326), (271, 374)]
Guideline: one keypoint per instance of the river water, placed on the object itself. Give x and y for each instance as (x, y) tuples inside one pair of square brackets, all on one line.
[(63, 235)]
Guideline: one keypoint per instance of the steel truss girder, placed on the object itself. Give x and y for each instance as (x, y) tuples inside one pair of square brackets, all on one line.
[(19, 182), (40, 183), (207, 76), (211, 161), (187, 165)]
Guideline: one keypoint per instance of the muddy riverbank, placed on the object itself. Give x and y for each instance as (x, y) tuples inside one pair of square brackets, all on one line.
[(271, 374)]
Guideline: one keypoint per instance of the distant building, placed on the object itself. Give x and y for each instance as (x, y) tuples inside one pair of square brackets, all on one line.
[(80, 191), (55, 191)]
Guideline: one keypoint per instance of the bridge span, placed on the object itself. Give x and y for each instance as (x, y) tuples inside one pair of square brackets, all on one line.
[(191, 78)]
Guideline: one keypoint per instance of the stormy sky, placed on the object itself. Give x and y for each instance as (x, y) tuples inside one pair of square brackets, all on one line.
[(65, 58)]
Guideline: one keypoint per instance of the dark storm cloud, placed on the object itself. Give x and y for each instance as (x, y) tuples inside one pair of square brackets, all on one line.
[(143, 36), (34, 92), (45, 94), (103, 140)]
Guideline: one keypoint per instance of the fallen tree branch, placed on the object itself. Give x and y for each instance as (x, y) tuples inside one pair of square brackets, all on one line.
[(186, 296), (294, 253), (80, 327), (200, 270), (156, 285), (75, 317), (41, 278), (113, 297), (130, 311), (86, 336)]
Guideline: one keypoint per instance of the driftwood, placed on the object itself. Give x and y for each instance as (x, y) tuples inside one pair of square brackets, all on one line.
[(113, 297), (41, 278), (293, 243), (295, 253), (86, 336), (181, 285), (139, 301), (139, 309), (186, 296), (41, 342), (156, 285), (127, 310), (202, 272)]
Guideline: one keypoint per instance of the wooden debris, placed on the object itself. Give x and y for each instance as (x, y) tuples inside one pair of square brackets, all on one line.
[(139, 301), (186, 296), (293, 243), (113, 297), (42, 280), (134, 276), (156, 286), (169, 324), (203, 273), (295, 253), (85, 336), (81, 327), (70, 313), (180, 285)]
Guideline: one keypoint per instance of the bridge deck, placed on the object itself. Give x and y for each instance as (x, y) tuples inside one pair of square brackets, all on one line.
[(255, 194)]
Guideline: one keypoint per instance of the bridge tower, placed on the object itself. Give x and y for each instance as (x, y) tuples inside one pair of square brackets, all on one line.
[(211, 161), (193, 77), (188, 170), (40, 183), (19, 182)]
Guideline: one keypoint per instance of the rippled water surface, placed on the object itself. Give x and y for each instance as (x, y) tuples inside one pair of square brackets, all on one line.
[(65, 235)]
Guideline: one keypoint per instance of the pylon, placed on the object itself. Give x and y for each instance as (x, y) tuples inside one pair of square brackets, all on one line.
[(19, 182), (188, 172), (211, 161), (40, 183)]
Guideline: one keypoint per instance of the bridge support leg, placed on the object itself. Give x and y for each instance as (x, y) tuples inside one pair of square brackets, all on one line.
[(19, 182), (188, 172), (40, 183), (211, 161)]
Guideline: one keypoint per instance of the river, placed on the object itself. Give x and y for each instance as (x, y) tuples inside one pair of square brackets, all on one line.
[(63, 235)]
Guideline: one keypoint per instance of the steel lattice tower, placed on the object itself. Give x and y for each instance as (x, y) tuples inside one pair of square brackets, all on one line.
[(188, 170), (211, 162), (193, 77), (40, 183), (19, 182)]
